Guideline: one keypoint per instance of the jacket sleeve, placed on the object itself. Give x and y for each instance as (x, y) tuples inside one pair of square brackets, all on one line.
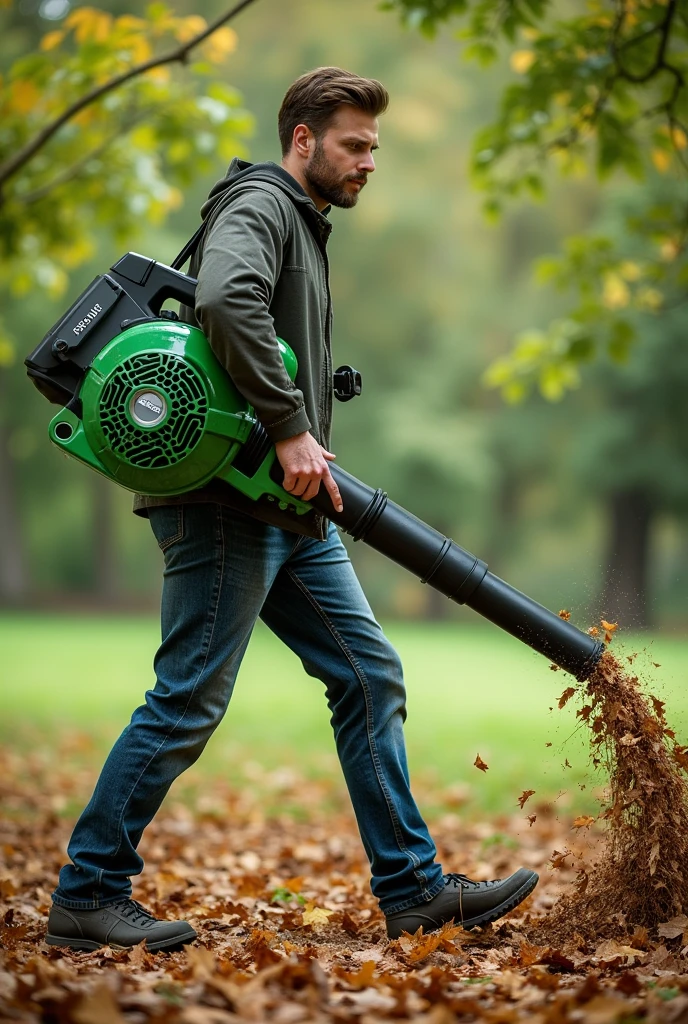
[(242, 260)]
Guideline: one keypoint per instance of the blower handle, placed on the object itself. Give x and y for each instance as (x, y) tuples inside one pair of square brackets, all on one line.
[(153, 282)]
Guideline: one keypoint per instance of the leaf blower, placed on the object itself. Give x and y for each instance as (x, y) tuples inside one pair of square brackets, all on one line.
[(145, 402)]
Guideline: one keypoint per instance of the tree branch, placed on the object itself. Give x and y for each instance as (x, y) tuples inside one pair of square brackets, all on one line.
[(659, 63), (180, 54)]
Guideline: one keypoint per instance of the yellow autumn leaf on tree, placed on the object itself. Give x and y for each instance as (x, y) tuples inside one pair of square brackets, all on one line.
[(220, 44), (89, 24), (629, 270), (316, 916), (130, 23), (24, 96), (189, 27), (615, 294), (521, 61), (661, 159), (51, 40), (679, 138)]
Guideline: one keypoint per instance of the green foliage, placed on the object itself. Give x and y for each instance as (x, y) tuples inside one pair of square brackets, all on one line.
[(602, 91), (284, 895), (78, 157)]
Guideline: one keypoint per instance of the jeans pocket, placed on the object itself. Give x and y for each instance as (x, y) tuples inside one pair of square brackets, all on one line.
[(167, 523)]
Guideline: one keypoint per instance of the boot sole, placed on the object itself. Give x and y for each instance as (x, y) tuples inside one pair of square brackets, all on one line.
[(88, 945), (491, 915)]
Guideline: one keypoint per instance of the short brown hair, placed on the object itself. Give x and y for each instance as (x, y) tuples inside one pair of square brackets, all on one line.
[(313, 100)]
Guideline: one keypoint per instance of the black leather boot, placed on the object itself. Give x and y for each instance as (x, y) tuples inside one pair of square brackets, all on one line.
[(466, 902)]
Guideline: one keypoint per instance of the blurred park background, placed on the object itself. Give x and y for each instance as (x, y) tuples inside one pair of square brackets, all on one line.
[(513, 295)]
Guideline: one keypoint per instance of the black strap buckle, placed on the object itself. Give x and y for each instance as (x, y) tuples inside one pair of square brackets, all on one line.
[(347, 383)]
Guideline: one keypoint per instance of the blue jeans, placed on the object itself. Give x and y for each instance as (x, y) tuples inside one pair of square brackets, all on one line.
[(223, 569)]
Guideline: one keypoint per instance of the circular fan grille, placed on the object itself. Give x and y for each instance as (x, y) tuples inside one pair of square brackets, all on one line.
[(167, 444)]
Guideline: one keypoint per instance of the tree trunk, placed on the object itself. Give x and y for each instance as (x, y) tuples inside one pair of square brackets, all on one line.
[(14, 578), (106, 581), (625, 591)]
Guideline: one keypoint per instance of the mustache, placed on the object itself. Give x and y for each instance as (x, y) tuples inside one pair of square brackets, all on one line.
[(361, 180)]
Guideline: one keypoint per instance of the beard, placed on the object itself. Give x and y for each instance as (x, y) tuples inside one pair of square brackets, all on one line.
[(324, 179)]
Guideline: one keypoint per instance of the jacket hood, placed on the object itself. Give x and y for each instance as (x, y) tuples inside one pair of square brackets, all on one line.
[(241, 173)]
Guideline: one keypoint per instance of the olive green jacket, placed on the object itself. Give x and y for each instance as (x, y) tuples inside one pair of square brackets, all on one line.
[(262, 272)]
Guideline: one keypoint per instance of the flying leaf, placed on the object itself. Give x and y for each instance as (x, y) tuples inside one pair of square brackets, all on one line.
[(558, 860), (583, 821), (566, 696), (564, 614), (609, 626), (479, 763), (531, 819), (525, 795)]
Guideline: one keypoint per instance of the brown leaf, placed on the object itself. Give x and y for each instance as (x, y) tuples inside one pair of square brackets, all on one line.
[(609, 627), (139, 957), (673, 928), (98, 1007), (654, 857), (583, 821), (525, 795), (531, 819), (629, 984), (528, 954), (349, 925), (681, 757), (362, 978), (564, 614), (201, 961), (610, 951), (479, 763), (659, 706), (566, 696), (558, 860), (605, 1009)]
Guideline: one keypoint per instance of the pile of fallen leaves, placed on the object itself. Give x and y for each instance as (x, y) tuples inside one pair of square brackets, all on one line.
[(643, 866), (288, 929)]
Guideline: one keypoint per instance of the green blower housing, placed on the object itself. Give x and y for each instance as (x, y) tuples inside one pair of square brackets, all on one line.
[(145, 402), (160, 415)]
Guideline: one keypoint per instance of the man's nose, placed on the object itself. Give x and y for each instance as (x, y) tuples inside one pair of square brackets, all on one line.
[(367, 163)]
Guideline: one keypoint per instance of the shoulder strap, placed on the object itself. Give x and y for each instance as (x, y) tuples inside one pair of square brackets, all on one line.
[(191, 246), (189, 249)]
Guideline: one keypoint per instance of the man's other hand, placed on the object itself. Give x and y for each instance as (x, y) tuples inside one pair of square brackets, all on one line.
[(304, 462)]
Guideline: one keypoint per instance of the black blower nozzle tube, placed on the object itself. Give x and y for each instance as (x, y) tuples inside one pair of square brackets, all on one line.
[(369, 516)]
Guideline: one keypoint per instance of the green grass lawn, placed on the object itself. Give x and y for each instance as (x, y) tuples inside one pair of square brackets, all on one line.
[(470, 690)]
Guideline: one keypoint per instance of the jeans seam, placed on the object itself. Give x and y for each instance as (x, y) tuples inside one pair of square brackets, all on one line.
[(169, 541), (360, 674), (215, 602)]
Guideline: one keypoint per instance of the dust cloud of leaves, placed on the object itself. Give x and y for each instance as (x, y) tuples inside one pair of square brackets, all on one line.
[(251, 883)]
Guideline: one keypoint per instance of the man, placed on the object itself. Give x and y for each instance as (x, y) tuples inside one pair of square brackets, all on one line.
[(263, 273)]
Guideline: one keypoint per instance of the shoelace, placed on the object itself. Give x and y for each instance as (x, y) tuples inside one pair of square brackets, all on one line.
[(461, 880), (131, 909)]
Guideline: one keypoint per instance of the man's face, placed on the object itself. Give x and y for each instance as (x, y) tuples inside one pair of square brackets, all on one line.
[(343, 157)]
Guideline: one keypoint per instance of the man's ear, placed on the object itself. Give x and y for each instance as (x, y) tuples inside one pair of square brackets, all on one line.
[(303, 140)]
